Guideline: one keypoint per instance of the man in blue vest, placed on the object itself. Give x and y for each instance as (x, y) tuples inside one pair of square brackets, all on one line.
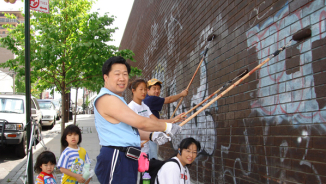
[(117, 127), (155, 104)]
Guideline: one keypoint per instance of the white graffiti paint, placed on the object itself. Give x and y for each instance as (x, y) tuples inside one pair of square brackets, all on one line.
[(152, 46), (267, 38), (255, 12), (172, 27)]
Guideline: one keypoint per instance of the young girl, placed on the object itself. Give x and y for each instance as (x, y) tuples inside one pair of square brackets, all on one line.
[(139, 91), (73, 158), (44, 165), (178, 173)]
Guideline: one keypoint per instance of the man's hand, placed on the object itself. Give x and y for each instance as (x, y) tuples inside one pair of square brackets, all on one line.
[(172, 129), (80, 178), (184, 93), (160, 138), (179, 118)]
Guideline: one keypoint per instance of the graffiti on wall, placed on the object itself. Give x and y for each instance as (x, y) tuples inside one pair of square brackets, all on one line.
[(284, 95), (296, 104)]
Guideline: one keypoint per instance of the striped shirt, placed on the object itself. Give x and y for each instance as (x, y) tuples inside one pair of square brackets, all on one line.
[(74, 160)]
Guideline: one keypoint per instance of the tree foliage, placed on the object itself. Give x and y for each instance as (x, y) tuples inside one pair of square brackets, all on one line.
[(68, 47)]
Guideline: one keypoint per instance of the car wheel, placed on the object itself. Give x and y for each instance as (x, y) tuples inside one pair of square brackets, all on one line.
[(20, 150)]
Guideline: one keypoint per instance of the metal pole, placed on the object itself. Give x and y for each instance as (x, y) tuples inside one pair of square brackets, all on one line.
[(28, 90)]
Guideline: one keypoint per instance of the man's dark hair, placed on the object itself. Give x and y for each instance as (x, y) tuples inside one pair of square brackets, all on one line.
[(106, 68), (149, 87), (44, 158), (185, 143), (69, 130)]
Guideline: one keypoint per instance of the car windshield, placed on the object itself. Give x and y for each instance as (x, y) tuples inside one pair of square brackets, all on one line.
[(45, 105), (56, 104), (11, 105)]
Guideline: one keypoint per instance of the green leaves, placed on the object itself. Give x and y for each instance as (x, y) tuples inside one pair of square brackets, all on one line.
[(68, 46)]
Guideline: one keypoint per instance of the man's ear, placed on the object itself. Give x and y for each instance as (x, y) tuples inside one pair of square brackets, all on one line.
[(106, 77)]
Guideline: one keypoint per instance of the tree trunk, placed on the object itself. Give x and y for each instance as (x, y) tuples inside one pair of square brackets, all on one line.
[(76, 107), (63, 117)]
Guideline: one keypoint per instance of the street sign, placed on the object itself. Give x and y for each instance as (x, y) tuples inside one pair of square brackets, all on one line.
[(40, 5)]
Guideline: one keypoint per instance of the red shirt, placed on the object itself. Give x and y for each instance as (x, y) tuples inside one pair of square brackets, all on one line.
[(44, 178)]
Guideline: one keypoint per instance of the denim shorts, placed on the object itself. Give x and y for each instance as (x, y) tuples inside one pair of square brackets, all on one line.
[(113, 167)]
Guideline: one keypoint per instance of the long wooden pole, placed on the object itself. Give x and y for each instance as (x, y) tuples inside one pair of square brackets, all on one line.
[(210, 96), (192, 79), (231, 87), (224, 92)]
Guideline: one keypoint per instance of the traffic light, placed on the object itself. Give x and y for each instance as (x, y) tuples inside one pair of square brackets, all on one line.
[(11, 1)]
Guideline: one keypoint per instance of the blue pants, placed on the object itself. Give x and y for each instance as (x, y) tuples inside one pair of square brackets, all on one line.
[(114, 167)]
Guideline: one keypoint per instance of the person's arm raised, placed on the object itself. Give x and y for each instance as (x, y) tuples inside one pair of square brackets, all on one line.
[(174, 98), (114, 110)]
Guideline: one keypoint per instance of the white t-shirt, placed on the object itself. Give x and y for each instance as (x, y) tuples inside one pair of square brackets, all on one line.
[(142, 110), (170, 174)]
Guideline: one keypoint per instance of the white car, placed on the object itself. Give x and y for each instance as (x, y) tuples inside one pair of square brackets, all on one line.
[(49, 112), (13, 121)]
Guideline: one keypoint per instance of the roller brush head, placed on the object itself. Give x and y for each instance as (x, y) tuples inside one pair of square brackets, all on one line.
[(211, 37), (243, 73), (302, 34)]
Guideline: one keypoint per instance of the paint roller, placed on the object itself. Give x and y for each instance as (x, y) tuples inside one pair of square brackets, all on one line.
[(241, 74), (298, 36), (209, 38)]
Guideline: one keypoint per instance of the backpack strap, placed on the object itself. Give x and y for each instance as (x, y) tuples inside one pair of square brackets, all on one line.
[(170, 160)]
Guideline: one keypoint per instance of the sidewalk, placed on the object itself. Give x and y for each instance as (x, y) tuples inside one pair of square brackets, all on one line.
[(52, 141)]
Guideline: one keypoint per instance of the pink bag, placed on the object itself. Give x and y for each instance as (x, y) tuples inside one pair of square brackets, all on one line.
[(143, 162)]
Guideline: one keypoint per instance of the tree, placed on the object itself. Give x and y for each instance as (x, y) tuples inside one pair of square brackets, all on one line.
[(68, 47)]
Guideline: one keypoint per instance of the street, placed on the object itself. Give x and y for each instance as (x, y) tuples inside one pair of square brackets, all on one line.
[(12, 168)]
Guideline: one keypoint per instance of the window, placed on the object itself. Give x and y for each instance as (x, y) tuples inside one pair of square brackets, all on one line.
[(32, 104)]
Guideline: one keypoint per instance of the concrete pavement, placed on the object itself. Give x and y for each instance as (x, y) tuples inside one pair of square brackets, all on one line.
[(52, 141)]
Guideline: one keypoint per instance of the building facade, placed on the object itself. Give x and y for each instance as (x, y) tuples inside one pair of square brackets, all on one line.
[(7, 77), (270, 128)]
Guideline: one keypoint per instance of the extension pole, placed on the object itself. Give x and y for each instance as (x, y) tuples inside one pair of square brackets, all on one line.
[(28, 92), (232, 86), (217, 91), (193, 77)]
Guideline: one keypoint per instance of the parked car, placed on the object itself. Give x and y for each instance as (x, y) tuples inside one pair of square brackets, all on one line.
[(49, 112), (57, 108), (80, 110), (13, 121)]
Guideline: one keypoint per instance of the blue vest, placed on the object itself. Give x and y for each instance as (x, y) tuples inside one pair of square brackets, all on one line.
[(110, 134)]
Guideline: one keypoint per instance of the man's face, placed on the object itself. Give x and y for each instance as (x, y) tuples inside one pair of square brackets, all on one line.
[(155, 90), (117, 79)]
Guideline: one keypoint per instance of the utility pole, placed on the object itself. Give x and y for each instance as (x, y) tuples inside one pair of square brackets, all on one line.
[(76, 106), (28, 92)]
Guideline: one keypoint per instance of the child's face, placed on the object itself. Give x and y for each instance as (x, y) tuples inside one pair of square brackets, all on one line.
[(72, 139), (47, 168), (140, 92)]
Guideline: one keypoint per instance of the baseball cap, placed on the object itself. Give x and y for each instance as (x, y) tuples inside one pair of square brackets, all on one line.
[(152, 82)]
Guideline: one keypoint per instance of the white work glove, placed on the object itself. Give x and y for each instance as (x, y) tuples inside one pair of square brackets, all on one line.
[(160, 138), (172, 129)]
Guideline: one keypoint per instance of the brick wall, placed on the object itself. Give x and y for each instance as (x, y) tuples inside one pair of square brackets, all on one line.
[(269, 129)]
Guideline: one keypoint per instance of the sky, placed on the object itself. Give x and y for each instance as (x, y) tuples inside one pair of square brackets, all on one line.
[(119, 8)]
